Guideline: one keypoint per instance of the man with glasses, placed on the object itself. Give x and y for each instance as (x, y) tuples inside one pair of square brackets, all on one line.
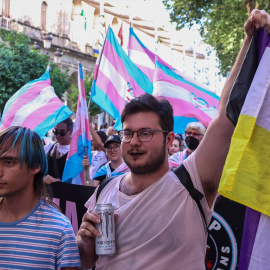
[(194, 134), (158, 223), (57, 151), (116, 165)]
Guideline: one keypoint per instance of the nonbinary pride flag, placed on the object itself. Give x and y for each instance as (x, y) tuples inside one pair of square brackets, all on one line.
[(35, 106), (117, 79), (246, 174), (73, 171), (190, 102)]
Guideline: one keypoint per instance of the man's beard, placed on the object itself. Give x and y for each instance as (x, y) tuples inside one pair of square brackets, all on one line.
[(151, 165)]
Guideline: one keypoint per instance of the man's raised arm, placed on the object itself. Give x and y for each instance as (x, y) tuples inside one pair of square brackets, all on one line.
[(212, 151)]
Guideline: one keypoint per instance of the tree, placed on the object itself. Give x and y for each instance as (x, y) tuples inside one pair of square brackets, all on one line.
[(20, 65), (221, 23), (73, 96)]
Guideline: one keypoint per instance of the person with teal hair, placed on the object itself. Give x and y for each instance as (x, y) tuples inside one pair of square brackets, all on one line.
[(33, 233)]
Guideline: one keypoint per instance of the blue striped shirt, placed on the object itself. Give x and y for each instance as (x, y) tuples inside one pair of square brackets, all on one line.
[(44, 239)]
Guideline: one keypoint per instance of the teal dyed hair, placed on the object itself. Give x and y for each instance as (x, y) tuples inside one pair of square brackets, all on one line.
[(30, 151), (29, 144)]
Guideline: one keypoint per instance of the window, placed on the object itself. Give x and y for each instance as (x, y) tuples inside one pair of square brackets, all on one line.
[(43, 15), (6, 8)]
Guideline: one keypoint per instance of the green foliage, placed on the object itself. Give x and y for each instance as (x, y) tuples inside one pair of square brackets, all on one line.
[(73, 96), (20, 65), (221, 23)]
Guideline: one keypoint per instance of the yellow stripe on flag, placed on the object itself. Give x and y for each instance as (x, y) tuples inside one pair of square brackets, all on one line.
[(246, 174)]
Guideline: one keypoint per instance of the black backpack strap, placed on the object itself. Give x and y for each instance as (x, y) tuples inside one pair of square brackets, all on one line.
[(103, 184), (184, 177)]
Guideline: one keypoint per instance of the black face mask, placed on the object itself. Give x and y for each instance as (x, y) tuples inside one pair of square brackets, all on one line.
[(192, 143)]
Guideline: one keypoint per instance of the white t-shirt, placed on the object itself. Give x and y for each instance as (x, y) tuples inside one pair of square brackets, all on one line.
[(160, 228), (62, 149)]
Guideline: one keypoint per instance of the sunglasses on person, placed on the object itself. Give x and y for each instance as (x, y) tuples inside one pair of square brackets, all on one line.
[(61, 132)]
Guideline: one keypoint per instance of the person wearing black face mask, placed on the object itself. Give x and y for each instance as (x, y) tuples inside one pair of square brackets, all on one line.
[(193, 135)]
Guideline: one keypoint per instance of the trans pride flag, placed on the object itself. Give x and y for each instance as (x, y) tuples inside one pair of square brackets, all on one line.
[(35, 106), (142, 57), (246, 174), (80, 140), (117, 79), (190, 102)]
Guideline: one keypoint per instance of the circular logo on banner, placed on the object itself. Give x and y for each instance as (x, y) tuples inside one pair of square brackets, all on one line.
[(221, 250)]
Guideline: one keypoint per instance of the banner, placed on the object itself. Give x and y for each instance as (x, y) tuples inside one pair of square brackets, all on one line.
[(71, 199)]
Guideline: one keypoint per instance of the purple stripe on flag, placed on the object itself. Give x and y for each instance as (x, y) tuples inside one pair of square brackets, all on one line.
[(263, 41), (106, 83), (249, 234), (121, 69), (31, 121)]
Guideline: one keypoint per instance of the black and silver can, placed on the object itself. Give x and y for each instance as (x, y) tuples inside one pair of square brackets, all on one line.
[(105, 244)]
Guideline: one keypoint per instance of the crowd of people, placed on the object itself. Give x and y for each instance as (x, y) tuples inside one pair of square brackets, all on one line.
[(158, 224)]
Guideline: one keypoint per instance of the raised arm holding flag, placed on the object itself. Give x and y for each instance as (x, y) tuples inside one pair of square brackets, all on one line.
[(80, 141)]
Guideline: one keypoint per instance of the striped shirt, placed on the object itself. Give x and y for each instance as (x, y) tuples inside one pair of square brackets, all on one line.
[(44, 239)]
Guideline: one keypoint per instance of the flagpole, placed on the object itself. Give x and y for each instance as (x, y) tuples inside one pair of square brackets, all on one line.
[(86, 178)]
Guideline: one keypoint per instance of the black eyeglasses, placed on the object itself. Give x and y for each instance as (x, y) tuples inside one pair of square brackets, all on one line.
[(111, 148), (144, 134), (61, 132)]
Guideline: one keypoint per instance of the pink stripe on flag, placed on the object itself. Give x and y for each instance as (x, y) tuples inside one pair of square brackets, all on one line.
[(147, 71), (120, 67), (83, 90), (104, 82), (136, 46), (161, 76), (31, 121), (73, 149), (187, 109), (23, 99)]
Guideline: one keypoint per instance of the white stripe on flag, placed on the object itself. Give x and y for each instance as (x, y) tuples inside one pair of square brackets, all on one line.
[(258, 97), (142, 59), (42, 99), (166, 89), (110, 72), (260, 258)]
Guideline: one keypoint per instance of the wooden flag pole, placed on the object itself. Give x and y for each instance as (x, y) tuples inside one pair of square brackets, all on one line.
[(86, 178)]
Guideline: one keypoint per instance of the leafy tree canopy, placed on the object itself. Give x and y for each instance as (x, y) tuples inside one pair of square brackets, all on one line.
[(73, 96), (221, 23), (20, 65)]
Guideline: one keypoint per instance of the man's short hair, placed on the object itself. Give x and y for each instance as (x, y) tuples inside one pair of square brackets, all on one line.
[(148, 103), (69, 123), (30, 151)]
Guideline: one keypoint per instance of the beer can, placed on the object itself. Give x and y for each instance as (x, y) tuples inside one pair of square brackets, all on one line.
[(105, 244)]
